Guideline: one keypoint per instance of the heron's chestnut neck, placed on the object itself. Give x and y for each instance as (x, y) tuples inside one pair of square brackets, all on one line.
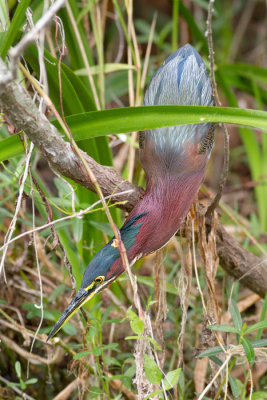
[(167, 203)]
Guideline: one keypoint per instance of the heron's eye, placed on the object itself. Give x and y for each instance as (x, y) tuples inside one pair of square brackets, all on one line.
[(99, 279)]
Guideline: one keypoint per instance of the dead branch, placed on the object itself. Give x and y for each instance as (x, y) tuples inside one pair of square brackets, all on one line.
[(18, 106)]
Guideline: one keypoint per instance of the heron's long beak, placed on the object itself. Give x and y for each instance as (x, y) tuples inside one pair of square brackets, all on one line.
[(81, 297)]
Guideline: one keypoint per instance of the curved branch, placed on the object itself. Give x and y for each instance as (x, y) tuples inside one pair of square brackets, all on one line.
[(18, 106)]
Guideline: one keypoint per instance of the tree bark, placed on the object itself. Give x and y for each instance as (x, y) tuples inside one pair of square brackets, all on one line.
[(18, 106)]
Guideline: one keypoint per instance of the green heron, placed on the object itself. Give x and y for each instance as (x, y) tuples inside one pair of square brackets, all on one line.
[(174, 160)]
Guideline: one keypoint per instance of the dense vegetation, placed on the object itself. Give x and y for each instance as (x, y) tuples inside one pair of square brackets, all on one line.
[(202, 333)]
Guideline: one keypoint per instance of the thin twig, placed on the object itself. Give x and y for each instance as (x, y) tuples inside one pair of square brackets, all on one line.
[(16, 51), (207, 388), (224, 173), (39, 228), (18, 205), (41, 306)]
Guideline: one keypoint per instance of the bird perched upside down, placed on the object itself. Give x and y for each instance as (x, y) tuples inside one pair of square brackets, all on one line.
[(174, 160)]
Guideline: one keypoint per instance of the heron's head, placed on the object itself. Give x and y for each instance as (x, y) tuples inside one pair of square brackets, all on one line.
[(104, 268)]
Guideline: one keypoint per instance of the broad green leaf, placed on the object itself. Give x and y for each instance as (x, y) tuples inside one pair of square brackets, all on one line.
[(216, 360), (136, 323), (152, 341), (22, 384), (236, 316), (258, 325), (10, 147), (259, 343), (110, 67), (69, 329), (18, 369), (223, 328), (234, 386), (247, 345), (72, 42), (112, 361), (146, 280), (31, 381), (210, 352), (4, 18), (57, 292), (217, 349), (137, 326), (13, 29), (196, 31), (150, 395), (77, 229), (129, 119), (247, 70), (102, 226), (171, 379), (81, 354), (259, 396), (96, 351), (152, 371)]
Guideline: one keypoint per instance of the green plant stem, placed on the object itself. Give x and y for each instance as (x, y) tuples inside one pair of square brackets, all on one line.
[(175, 24)]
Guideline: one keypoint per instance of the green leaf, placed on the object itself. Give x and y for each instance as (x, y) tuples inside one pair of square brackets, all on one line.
[(247, 70), (17, 22), (247, 345), (112, 361), (258, 325), (18, 369), (57, 292), (22, 384), (10, 147), (81, 354), (96, 351), (150, 395), (147, 280), (152, 341), (102, 226), (171, 379), (262, 317), (234, 386), (136, 323), (137, 326), (217, 349), (129, 119), (236, 316), (152, 371), (216, 360), (210, 352), (109, 67), (223, 328), (69, 329), (77, 229), (31, 381), (259, 396)]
